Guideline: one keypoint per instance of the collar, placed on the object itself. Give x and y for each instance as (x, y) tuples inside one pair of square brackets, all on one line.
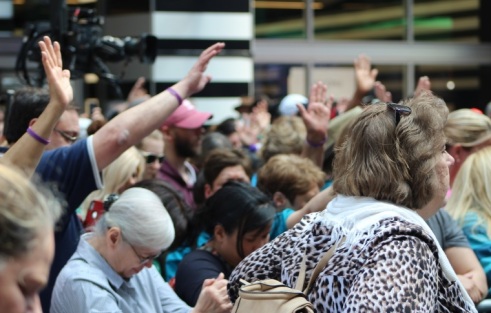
[(90, 255), (166, 169)]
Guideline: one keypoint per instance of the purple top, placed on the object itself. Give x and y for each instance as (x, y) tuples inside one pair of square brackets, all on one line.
[(172, 176)]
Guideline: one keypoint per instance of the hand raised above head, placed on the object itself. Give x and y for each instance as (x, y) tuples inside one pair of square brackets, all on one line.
[(196, 79), (364, 74), (381, 92), (58, 79), (318, 113), (424, 84)]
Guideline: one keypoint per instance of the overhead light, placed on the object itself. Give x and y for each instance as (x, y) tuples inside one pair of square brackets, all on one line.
[(286, 5), (450, 85)]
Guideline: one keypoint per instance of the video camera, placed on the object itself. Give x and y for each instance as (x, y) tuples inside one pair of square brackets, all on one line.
[(84, 47)]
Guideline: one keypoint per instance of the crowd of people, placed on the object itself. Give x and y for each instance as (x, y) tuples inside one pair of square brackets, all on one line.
[(151, 209)]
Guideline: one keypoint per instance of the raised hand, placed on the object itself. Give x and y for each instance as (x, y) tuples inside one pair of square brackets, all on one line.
[(60, 89), (342, 105), (424, 84), (138, 93), (364, 74), (381, 92), (318, 113), (196, 79)]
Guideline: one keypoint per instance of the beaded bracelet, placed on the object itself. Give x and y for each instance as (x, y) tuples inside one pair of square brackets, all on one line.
[(316, 144), (175, 94), (38, 138)]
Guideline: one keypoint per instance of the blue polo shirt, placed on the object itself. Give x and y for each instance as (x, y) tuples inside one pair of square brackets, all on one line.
[(73, 171)]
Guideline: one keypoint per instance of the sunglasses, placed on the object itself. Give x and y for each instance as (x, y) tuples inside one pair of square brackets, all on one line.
[(150, 158), (399, 110), (68, 136)]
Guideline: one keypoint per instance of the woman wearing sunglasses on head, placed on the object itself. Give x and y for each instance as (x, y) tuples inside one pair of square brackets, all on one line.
[(391, 174), (111, 270)]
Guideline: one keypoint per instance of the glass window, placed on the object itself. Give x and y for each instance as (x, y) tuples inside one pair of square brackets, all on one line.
[(446, 20)]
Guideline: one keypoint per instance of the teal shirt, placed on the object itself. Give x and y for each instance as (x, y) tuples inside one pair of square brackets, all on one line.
[(175, 257), (475, 231), (279, 223)]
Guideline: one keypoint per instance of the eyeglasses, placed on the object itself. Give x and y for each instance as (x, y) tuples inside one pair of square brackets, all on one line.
[(143, 260), (150, 158), (69, 136), (399, 110)]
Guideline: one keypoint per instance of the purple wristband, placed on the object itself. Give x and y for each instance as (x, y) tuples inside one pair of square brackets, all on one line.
[(317, 144), (175, 94), (38, 138)]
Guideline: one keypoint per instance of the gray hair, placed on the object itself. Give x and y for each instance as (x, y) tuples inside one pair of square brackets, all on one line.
[(142, 218), (26, 212)]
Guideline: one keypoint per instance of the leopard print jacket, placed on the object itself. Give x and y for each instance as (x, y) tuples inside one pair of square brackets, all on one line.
[(396, 270)]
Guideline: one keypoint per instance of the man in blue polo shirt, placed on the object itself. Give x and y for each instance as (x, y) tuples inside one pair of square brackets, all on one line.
[(75, 169)]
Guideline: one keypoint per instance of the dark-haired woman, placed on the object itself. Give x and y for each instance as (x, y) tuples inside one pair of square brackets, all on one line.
[(239, 218)]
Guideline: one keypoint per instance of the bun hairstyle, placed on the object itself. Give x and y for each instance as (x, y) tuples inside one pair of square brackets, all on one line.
[(236, 206), (142, 218)]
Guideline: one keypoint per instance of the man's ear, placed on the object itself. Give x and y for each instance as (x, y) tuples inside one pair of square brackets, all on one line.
[(280, 201), (166, 132), (208, 191), (219, 233), (31, 122)]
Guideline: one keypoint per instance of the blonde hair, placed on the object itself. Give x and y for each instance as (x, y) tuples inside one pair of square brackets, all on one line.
[(286, 136), (155, 135), (129, 164), (393, 163), (467, 128), (471, 190), (26, 211)]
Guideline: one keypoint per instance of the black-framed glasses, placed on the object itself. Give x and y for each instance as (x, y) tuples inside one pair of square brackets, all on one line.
[(150, 158), (70, 137), (399, 110), (143, 260)]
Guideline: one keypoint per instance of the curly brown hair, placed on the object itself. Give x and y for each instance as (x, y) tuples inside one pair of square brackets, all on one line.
[(393, 163)]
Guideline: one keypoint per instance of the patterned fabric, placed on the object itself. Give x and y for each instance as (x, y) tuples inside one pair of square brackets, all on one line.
[(394, 268)]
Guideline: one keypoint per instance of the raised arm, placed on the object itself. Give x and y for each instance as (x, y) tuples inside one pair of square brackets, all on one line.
[(365, 79), (27, 151), (132, 125), (424, 84), (316, 119), (316, 204)]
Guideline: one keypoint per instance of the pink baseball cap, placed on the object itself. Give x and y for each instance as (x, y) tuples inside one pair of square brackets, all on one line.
[(186, 116)]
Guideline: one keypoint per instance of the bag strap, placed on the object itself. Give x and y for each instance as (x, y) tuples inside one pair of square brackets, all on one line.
[(318, 268)]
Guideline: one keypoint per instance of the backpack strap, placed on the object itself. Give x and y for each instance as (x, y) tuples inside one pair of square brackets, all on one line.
[(301, 273), (318, 268)]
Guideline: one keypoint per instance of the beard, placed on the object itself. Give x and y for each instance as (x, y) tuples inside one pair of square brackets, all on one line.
[(184, 148)]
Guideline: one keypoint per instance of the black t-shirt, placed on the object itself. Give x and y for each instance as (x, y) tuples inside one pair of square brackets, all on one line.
[(192, 272)]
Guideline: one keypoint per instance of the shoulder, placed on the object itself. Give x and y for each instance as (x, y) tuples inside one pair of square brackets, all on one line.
[(80, 279), (64, 157), (199, 255)]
